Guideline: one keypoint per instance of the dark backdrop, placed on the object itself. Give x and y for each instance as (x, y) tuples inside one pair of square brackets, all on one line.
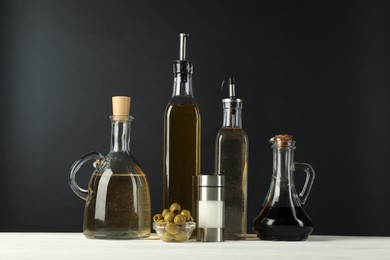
[(318, 70)]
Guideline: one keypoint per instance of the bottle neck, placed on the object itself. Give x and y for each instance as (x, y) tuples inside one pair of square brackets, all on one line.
[(182, 85), (232, 117), (283, 158), (282, 186), (120, 136)]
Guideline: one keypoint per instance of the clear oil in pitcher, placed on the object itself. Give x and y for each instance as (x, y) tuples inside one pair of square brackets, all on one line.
[(117, 201)]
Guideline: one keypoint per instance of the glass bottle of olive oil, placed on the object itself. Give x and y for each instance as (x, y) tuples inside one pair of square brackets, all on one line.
[(181, 137), (231, 160), (118, 196)]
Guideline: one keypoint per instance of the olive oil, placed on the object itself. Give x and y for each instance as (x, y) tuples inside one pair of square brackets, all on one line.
[(117, 206), (181, 137), (182, 154)]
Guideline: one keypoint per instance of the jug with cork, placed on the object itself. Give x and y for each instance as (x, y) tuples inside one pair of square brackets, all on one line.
[(282, 216), (118, 197)]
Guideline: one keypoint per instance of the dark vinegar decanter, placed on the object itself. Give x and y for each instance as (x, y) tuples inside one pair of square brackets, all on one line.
[(282, 216)]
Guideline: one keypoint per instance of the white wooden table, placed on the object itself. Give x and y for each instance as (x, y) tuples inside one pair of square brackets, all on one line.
[(56, 246)]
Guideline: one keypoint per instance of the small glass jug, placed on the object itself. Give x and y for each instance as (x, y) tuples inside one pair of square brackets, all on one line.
[(282, 216), (118, 197)]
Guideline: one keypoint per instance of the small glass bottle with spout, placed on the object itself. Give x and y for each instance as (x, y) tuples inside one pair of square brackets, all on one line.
[(282, 216), (231, 160), (181, 137), (118, 197)]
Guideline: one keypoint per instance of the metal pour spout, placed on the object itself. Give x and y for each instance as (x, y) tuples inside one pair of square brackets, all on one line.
[(183, 45), (232, 87)]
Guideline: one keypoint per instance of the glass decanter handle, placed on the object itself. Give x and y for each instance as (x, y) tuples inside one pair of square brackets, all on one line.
[(308, 182), (82, 193)]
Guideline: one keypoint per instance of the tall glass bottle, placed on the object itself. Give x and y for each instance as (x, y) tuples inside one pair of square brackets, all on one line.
[(182, 133), (118, 197), (231, 160)]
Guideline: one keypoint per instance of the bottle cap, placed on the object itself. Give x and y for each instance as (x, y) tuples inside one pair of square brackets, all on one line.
[(211, 180), (182, 67), (120, 108), (211, 187)]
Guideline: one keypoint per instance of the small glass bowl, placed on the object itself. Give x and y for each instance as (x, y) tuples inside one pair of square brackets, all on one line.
[(170, 232)]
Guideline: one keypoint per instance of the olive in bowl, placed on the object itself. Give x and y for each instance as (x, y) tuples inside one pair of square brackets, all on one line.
[(174, 224), (171, 232)]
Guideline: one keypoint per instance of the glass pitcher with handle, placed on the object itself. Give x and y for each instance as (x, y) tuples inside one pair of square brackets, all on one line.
[(282, 216), (118, 197)]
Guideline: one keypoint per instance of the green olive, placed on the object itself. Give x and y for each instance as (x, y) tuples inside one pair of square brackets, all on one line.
[(164, 212), (171, 228), (169, 217), (181, 236), (157, 217), (186, 214), (175, 207), (167, 237), (179, 219), (161, 220)]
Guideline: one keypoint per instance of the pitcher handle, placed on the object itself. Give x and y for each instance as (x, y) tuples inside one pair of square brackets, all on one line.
[(308, 182), (82, 193)]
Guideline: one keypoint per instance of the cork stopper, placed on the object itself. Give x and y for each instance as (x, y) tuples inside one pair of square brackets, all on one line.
[(283, 141), (120, 108)]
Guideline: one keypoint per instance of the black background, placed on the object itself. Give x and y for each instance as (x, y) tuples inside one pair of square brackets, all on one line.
[(318, 70)]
